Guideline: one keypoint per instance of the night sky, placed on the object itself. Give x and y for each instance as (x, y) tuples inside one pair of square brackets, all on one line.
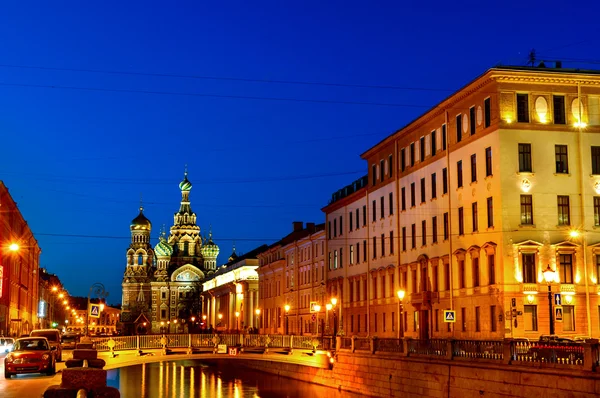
[(270, 105)]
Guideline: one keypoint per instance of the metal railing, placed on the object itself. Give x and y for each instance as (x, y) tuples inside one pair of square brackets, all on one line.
[(548, 352), (478, 349), (389, 345), (362, 344), (428, 347)]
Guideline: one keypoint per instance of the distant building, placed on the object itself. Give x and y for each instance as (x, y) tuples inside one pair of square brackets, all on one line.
[(108, 323), (51, 311), (19, 270), (468, 205), (159, 282), (292, 273)]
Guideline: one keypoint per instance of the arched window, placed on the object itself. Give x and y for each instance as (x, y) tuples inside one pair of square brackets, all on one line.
[(140, 259)]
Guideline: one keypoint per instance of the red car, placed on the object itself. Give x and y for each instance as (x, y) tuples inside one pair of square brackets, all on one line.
[(30, 355)]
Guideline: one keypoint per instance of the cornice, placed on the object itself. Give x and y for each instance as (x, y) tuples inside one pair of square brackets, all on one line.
[(545, 79)]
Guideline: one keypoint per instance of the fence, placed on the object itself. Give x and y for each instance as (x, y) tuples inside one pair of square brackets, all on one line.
[(582, 355)]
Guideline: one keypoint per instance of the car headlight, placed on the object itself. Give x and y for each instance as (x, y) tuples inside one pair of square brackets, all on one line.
[(45, 357), (9, 358)]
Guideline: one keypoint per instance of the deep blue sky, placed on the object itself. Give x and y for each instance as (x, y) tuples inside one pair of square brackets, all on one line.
[(77, 160)]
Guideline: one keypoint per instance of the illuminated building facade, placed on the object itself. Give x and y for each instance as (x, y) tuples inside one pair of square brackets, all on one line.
[(163, 283), (292, 275), (468, 205), (19, 270)]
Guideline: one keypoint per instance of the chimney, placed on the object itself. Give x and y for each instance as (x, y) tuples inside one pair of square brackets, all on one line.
[(310, 226), (297, 225)]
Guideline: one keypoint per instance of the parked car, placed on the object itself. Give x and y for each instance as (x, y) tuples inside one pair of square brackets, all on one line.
[(70, 340), (30, 355), (6, 344), (53, 336)]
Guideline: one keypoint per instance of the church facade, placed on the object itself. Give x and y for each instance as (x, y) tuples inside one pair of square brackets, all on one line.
[(162, 284)]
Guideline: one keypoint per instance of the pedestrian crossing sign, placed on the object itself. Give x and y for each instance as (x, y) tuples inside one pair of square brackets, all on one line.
[(449, 316), (95, 310)]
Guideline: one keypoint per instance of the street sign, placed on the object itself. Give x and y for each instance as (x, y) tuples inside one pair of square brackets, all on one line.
[(312, 306), (95, 310), (558, 314), (557, 299), (313, 317), (449, 316), (514, 302)]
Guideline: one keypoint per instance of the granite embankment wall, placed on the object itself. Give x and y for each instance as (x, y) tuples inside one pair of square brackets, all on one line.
[(386, 376)]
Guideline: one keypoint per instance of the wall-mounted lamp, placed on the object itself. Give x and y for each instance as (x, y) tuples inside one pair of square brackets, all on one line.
[(530, 299), (525, 185)]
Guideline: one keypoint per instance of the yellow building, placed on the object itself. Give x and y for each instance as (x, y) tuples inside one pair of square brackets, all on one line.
[(468, 205)]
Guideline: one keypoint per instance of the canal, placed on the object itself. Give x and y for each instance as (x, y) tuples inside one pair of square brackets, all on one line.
[(192, 378)]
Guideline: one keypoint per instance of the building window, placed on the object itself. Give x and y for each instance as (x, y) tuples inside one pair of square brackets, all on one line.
[(412, 194), (487, 105), (474, 216), (492, 268), (461, 274), (423, 233), (477, 320), (381, 170), (444, 181), (329, 229), (597, 210), (335, 259), (463, 318), (434, 274), (472, 119), (461, 221), (459, 174), (374, 247), (357, 219), (473, 168), (422, 149), (433, 186), (391, 242), (412, 154), (390, 166), (559, 109), (402, 159), (364, 251), (404, 239), (596, 160), (443, 137), (434, 229), (373, 173), (433, 143), (445, 226), (523, 108), (458, 128), (341, 225), (530, 318), (364, 215), (374, 210), (529, 268), (350, 220), (163, 314), (422, 190), (568, 318), (566, 268), (564, 217), (358, 253), (382, 245), (334, 227), (403, 199), (525, 158), (562, 161), (341, 257), (490, 212), (488, 161), (382, 209), (526, 210), (351, 254), (475, 271), (493, 318), (413, 230), (391, 203)]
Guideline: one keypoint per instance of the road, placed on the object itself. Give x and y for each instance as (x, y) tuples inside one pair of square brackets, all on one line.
[(29, 385)]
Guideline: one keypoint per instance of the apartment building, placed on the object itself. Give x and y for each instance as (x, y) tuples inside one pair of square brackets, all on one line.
[(468, 205)]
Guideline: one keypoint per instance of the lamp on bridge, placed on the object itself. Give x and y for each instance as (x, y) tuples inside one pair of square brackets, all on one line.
[(317, 308), (257, 312), (237, 321), (334, 309), (400, 294), (287, 312), (549, 277)]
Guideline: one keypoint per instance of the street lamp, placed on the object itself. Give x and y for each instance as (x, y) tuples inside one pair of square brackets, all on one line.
[(257, 312), (287, 310), (549, 276), (317, 308), (237, 321), (13, 247), (334, 304), (401, 294), (98, 289)]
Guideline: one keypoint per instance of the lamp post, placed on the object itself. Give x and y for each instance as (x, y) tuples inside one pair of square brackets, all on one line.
[(317, 309), (401, 294), (257, 312), (204, 322), (328, 308), (287, 310), (175, 323), (549, 276), (237, 321), (101, 293), (334, 304)]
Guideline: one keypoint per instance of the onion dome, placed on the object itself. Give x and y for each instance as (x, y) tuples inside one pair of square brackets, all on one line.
[(185, 185), (141, 222), (209, 248), (163, 249), (233, 256)]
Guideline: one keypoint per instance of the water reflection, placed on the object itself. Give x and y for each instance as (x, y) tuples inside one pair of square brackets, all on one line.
[(189, 378)]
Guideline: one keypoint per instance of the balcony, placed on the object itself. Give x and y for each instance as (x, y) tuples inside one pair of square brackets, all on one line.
[(530, 288), (567, 288), (421, 299)]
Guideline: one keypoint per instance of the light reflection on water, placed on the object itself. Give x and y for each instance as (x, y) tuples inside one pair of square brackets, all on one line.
[(189, 378)]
